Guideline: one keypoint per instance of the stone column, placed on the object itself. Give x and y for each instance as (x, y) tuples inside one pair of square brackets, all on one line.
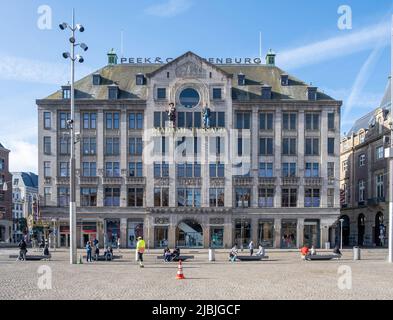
[(277, 233), (204, 158), (300, 232), (172, 236), (254, 156), (324, 158), (228, 233), (324, 235), (277, 158), (100, 157), (254, 230), (300, 160), (123, 158), (123, 232)]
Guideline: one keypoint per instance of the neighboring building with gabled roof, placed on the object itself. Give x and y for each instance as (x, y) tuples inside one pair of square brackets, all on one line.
[(5, 196), (258, 143)]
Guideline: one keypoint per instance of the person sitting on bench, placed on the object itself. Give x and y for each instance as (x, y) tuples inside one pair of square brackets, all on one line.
[(261, 251), (337, 251), (304, 252), (108, 253), (176, 253), (233, 253), (46, 251), (167, 254), (313, 252)]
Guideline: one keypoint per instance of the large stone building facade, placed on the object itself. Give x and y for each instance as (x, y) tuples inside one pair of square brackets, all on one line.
[(365, 177), (251, 153), (5, 196)]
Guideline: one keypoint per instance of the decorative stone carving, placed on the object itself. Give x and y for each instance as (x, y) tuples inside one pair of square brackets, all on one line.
[(217, 221), (190, 70), (161, 220)]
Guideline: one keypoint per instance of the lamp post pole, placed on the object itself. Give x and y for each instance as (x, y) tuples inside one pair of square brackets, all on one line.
[(341, 233)]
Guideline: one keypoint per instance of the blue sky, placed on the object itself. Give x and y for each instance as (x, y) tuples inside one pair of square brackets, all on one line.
[(350, 65)]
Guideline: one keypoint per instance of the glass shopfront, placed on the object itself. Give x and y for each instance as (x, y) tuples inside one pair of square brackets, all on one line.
[(89, 232), (64, 236), (161, 236), (266, 233), (112, 232), (311, 233), (189, 234), (216, 237), (135, 230), (288, 234), (242, 235)]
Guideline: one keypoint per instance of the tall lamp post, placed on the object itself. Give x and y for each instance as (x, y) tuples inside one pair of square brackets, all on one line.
[(341, 233), (71, 55)]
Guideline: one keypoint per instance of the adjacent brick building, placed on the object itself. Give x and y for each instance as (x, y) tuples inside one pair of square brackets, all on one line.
[(5, 196)]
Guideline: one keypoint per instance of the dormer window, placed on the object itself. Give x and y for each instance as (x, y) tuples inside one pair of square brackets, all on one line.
[(113, 92), (284, 80), (140, 79), (312, 93), (266, 92), (241, 79), (96, 79), (66, 92)]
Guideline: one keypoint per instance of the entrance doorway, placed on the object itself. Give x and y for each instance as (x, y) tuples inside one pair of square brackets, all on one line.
[(311, 233), (216, 237), (288, 234), (361, 229), (265, 233), (189, 234), (161, 237), (135, 230)]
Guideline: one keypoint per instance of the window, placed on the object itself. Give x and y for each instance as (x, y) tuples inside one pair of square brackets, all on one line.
[(189, 98), (112, 120), (331, 120), (96, 79), (312, 170), (161, 197), (330, 146), (266, 198), (64, 117), (135, 121), (67, 93), (289, 170), (216, 170), (362, 137), (243, 120), (312, 121), (330, 198), (47, 169), (289, 198), (89, 146), (217, 94), (112, 197), (89, 169), (380, 193), (380, 153), (89, 120), (47, 120), (64, 169), (241, 79), (362, 190), (266, 169), (47, 195), (188, 170), (112, 146), (160, 118), (312, 198), (345, 165), (289, 121), (2, 164), (188, 197), (65, 146), (160, 144), (312, 147), (265, 121), (243, 197), (161, 170), (135, 146), (216, 197), (330, 170), (362, 160), (161, 93), (140, 79), (88, 197), (266, 146), (113, 92), (289, 146), (112, 169), (135, 197), (64, 197), (135, 169)]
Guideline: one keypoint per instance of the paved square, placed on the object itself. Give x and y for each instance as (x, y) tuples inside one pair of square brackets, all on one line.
[(283, 276)]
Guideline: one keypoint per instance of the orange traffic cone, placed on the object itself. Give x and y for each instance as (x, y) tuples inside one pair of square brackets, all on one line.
[(180, 275)]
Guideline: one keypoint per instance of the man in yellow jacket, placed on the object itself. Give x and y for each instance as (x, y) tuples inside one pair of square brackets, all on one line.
[(140, 248)]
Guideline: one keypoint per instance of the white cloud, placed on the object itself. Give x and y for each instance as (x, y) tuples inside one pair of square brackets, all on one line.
[(317, 52), (170, 8), (23, 156)]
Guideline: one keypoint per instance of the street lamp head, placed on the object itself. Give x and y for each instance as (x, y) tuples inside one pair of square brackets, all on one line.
[(63, 26), (84, 46), (66, 55), (79, 58), (80, 28), (72, 40)]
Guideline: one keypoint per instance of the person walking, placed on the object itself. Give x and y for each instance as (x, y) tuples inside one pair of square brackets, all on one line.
[(118, 244), (22, 250), (140, 248), (251, 247), (88, 251)]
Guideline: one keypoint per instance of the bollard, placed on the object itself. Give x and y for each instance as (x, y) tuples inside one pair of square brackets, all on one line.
[(356, 253), (212, 256)]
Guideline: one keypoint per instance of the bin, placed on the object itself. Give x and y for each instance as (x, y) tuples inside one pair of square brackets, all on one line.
[(356, 253), (212, 255), (327, 245)]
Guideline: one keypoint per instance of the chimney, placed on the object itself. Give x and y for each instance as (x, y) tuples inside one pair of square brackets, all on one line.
[(112, 57), (271, 58), (312, 93)]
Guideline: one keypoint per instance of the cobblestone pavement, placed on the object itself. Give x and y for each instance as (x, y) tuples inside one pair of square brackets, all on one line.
[(283, 276)]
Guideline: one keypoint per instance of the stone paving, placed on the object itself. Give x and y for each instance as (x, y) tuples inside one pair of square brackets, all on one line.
[(283, 276)]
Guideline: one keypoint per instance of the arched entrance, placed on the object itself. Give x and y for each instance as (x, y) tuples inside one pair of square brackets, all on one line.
[(361, 229), (346, 230), (189, 234), (379, 230)]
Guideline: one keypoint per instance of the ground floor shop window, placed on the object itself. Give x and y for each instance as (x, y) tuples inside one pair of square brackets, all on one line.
[(311, 233), (135, 230), (161, 237), (189, 234), (112, 232), (216, 237), (266, 233), (288, 234), (242, 232), (89, 232)]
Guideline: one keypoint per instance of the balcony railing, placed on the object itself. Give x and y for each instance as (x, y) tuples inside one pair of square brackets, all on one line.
[(313, 181), (136, 180), (63, 180), (243, 181), (161, 181), (290, 181), (375, 201), (112, 180), (189, 181), (267, 181), (88, 180), (217, 182)]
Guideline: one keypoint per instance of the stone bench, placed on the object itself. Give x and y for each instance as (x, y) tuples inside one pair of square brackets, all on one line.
[(32, 257), (252, 258), (103, 258), (322, 257), (182, 258)]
